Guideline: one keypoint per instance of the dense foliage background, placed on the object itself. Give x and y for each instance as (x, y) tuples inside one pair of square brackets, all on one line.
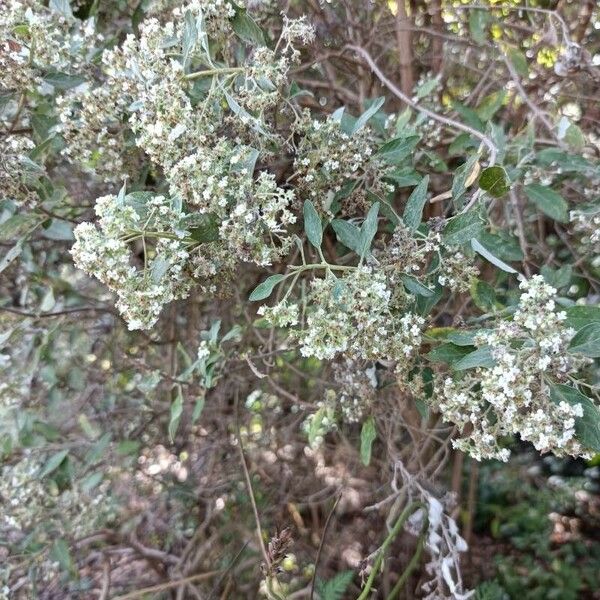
[(299, 299)]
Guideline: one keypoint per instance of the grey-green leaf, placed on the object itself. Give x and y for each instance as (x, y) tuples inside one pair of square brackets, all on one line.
[(490, 257), (264, 289), (494, 181), (368, 230), (580, 316), (53, 463), (246, 28), (368, 434), (550, 202), (482, 357), (312, 224), (414, 206), (462, 228), (587, 427), (587, 341), (414, 286), (362, 120), (347, 233), (175, 414)]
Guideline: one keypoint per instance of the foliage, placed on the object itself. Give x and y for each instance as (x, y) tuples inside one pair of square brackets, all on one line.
[(235, 254)]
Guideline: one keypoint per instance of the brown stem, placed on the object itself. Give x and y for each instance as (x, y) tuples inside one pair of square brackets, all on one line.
[(404, 44)]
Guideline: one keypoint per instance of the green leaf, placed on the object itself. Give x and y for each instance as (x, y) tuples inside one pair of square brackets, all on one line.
[(312, 224), (368, 230), (587, 341), (198, 408), (461, 229), (478, 21), (414, 205), (494, 181), (461, 338), (482, 357), (246, 28), (10, 256), (347, 233), (587, 427), (414, 286), (490, 105), (264, 289), (368, 434), (63, 81), (362, 120), (580, 316), (483, 295), (551, 203), (58, 230), (396, 150), (502, 244), (19, 224), (60, 553), (490, 257), (189, 38), (519, 62), (336, 587), (175, 414), (448, 353), (205, 227), (557, 278), (427, 87), (462, 176), (53, 463)]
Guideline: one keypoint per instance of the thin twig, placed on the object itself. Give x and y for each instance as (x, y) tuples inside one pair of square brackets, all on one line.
[(493, 151), (249, 485), (321, 543), (167, 586)]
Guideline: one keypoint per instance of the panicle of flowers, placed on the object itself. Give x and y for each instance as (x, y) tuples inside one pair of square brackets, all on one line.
[(263, 215), (586, 227), (216, 14), (36, 39), (513, 395), (327, 159), (105, 253), (405, 254), (15, 168), (90, 124), (358, 316), (456, 271), (356, 388), (282, 314)]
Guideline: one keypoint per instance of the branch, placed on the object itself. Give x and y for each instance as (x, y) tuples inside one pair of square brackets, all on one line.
[(485, 140)]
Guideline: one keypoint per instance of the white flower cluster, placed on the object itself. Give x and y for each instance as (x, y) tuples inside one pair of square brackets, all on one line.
[(182, 133), (404, 254), (356, 389), (35, 40), (216, 14), (513, 397), (357, 315), (15, 167), (251, 211), (327, 158), (105, 253), (586, 226), (457, 271)]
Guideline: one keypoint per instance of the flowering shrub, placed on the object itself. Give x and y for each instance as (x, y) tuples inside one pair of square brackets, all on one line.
[(395, 267)]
